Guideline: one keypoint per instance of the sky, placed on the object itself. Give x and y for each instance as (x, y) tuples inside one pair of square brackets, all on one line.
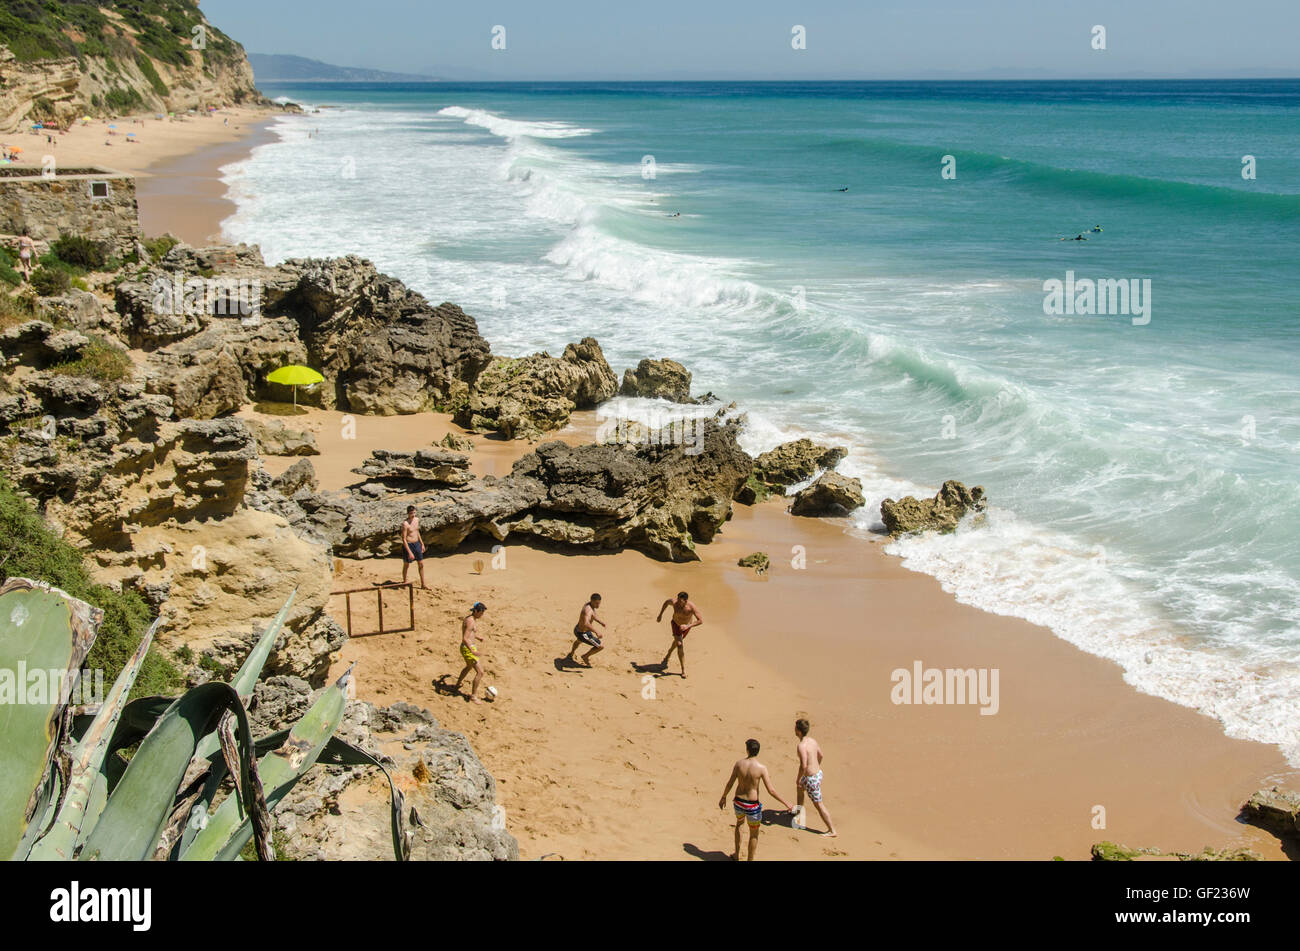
[(755, 39)]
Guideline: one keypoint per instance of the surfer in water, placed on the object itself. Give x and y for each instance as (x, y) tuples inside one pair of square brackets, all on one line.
[(844, 189)]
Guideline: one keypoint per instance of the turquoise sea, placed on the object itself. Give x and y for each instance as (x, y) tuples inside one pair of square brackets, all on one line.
[(1143, 468)]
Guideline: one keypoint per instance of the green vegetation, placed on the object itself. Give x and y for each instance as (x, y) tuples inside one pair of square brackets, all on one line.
[(16, 309), (159, 246), (99, 360), (9, 268), (151, 74), (50, 281), (119, 99), (79, 252), (28, 549)]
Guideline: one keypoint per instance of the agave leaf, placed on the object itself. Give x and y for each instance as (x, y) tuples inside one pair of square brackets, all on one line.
[(41, 629), (339, 752), (142, 801), (229, 828), (75, 819)]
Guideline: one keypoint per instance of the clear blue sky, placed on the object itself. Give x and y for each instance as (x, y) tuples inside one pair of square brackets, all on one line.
[(725, 39)]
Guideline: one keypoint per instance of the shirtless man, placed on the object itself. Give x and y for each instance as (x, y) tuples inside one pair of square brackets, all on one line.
[(412, 545), (468, 632), (746, 775), (685, 616), (810, 773), (583, 632)]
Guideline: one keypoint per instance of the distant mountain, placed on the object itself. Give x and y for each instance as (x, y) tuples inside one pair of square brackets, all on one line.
[(268, 67)]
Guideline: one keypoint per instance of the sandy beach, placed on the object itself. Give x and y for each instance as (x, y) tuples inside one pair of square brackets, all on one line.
[(177, 162), (570, 748), (627, 761)]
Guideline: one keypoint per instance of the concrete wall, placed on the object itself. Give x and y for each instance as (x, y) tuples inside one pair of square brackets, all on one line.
[(67, 204)]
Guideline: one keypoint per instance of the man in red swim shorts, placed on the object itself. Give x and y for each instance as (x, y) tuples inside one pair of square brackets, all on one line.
[(685, 616)]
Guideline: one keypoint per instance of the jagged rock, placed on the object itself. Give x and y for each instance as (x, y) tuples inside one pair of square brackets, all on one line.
[(300, 475), (942, 513), (524, 396), (793, 462), (425, 467), (276, 439), (343, 813), (758, 561), (832, 494), (752, 492), (457, 442), (658, 379), (1275, 809), (1113, 852)]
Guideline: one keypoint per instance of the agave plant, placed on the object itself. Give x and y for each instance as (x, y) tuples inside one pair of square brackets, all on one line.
[(66, 794)]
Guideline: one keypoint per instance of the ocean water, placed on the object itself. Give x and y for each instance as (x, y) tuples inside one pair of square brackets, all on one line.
[(1142, 468)]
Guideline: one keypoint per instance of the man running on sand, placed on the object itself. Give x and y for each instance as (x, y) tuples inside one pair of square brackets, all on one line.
[(584, 634), (412, 545), (685, 616), (810, 773), (468, 632), (746, 775)]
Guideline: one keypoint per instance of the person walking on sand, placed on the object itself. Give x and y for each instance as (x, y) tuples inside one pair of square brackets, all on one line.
[(746, 775), (412, 545), (583, 632), (26, 248), (685, 616), (810, 773), (468, 634)]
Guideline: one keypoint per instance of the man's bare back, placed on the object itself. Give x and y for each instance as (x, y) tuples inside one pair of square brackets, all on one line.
[(749, 773), (810, 757)]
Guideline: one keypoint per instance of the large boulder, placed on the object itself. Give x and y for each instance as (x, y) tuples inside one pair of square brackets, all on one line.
[(831, 495), (793, 462), (942, 513), (274, 438), (434, 467), (658, 379), (525, 396), (1275, 809)]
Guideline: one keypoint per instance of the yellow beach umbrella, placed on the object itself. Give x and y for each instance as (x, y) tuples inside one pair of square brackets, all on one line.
[(295, 376)]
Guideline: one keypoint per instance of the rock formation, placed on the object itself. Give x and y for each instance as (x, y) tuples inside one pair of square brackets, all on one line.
[(1277, 810), (832, 494), (1113, 852), (658, 379), (793, 462), (942, 513)]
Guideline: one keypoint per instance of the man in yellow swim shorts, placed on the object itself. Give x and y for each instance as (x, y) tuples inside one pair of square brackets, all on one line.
[(468, 633)]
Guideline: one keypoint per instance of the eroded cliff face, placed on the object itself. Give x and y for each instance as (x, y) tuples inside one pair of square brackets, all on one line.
[(112, 62)]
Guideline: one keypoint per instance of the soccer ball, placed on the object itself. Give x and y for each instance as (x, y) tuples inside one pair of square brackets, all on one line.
[(492, 692)]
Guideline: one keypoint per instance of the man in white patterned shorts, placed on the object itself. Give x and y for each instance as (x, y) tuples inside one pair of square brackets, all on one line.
[(810, 772)]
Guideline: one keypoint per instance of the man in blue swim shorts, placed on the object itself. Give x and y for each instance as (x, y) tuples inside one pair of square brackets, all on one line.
[(412, 546)]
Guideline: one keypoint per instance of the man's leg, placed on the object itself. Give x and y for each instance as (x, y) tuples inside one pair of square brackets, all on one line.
[(753, 841), (406, 566), (473, 688), (587, 656), (675, 645), (420, 564), (681, 655), (826, 818), (461, 678), (740, 822), (800, 814), (577, 642)]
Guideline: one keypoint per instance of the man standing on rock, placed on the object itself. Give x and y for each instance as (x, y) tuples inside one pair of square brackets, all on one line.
[(585, 634), (468, 633), (685, 616), (810, 772), (746, 775), (412, 545)]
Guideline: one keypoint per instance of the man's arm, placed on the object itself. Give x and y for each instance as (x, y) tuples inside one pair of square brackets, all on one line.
[(699, 618), (405, 544), (735, 774), (663, 608), (775, 795)]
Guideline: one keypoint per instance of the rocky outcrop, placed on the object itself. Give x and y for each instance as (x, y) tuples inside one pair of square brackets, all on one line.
[(1113, 852), (758, 561), (1277, 810), (424, 467), (658, 379), (298, 477), (276, 439), (457, 442), (526, 396), (831, 495), (942, 513), (657, 499), (793, 462), (341, 812)]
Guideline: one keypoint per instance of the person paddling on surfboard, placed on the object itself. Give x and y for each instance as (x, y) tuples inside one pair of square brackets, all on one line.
[(585, 634)]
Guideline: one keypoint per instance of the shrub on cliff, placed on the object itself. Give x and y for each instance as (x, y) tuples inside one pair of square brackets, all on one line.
[(28, 549), (51, 281), (99, 361), (7, 272), (80, 252)]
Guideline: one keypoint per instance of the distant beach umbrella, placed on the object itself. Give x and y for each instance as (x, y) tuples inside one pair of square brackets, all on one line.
[(295, 376), (111, 126)]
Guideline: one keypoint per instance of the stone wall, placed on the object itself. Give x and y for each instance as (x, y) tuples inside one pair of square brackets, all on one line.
[(94, 203)]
